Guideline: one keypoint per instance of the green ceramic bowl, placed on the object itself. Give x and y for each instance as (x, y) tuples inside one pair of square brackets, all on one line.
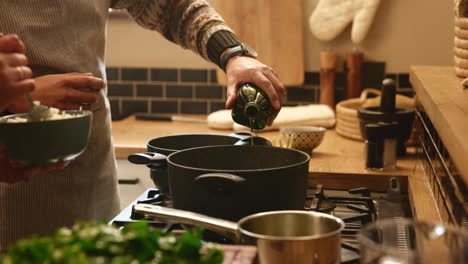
[(45, 142)]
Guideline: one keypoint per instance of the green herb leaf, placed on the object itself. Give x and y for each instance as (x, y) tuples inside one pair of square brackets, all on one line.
[(99, 243)]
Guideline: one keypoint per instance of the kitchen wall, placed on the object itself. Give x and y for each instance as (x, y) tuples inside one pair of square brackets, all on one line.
[(404, 33)]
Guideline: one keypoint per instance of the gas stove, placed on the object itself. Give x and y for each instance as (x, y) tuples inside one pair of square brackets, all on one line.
[(356, 207)]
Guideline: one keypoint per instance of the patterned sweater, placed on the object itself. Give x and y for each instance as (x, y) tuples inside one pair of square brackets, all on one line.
[(193, 24)]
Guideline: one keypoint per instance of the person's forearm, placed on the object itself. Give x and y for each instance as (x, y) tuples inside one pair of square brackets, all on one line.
[(218, 43), (193, 24)]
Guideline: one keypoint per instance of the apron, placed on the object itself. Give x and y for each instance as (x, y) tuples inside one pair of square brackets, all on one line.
[(62, 36)]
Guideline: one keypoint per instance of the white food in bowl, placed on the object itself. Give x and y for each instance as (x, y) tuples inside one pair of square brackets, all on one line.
[(53, 114)]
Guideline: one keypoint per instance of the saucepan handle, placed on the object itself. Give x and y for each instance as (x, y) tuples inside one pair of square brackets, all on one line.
[(148, 158), (223, 227), (220, 183)]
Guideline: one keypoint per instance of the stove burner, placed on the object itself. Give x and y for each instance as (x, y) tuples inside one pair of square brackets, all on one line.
[(360, 208), (356, 207), (319, 205), (154, 197)]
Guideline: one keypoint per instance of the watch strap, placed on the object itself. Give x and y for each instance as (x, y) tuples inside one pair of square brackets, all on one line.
[(218, 43), (229, 54)]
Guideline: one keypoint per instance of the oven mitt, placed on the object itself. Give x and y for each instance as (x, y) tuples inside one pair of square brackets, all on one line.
[(303, 115), (331, 17)]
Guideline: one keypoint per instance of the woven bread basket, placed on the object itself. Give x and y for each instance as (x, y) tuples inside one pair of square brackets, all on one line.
[(347, 121), (461, 38)]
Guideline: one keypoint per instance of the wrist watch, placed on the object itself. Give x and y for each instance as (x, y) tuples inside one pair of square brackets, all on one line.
[(239, 50)]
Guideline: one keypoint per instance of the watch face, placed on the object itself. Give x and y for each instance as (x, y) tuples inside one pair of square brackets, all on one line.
[(250, 51)]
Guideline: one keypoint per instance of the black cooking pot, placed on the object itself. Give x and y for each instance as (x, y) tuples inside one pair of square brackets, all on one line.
[(159, 148), (231, 182)]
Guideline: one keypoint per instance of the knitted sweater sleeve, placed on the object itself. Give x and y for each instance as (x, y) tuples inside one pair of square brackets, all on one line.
[(193, 24)]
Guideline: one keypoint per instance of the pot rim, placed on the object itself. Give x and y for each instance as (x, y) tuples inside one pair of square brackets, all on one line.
[(149, 146), (169, 160), (291, 238)]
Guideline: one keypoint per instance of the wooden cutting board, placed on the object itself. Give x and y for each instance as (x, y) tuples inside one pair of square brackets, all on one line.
[(274, 28)]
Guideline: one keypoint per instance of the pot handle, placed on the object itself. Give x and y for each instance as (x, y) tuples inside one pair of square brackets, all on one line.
[(220, 183), (148, 158), (226, 228)]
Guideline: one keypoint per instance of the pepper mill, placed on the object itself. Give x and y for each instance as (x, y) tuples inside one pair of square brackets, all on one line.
[(327, 78), (381, 146), (354, 62), (387, 112)]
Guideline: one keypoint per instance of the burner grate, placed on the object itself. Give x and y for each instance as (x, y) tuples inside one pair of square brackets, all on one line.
[(349, 208), (355, 207)]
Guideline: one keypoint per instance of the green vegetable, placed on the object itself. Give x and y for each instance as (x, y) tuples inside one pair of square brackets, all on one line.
[(98, 243)]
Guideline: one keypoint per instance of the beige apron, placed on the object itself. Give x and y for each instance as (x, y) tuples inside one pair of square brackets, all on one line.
[(62, 36)]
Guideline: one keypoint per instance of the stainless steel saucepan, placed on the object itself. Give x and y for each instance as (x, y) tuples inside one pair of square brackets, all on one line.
[(280, 236)]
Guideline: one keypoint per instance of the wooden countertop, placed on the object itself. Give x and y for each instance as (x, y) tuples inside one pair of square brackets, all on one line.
[(337, 163), (440, 92)]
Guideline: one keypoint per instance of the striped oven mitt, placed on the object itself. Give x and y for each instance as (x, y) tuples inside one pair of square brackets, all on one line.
[(331, 17)]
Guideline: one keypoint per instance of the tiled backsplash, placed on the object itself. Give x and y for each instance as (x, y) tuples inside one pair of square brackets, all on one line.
[(196, 91)]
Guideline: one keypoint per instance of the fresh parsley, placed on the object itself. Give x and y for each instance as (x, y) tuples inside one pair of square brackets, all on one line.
[(99, 243)]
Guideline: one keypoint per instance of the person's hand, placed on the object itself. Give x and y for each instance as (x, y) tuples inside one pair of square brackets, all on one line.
[(242, 69), (63, 91), (14, 74), (14, 173)]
